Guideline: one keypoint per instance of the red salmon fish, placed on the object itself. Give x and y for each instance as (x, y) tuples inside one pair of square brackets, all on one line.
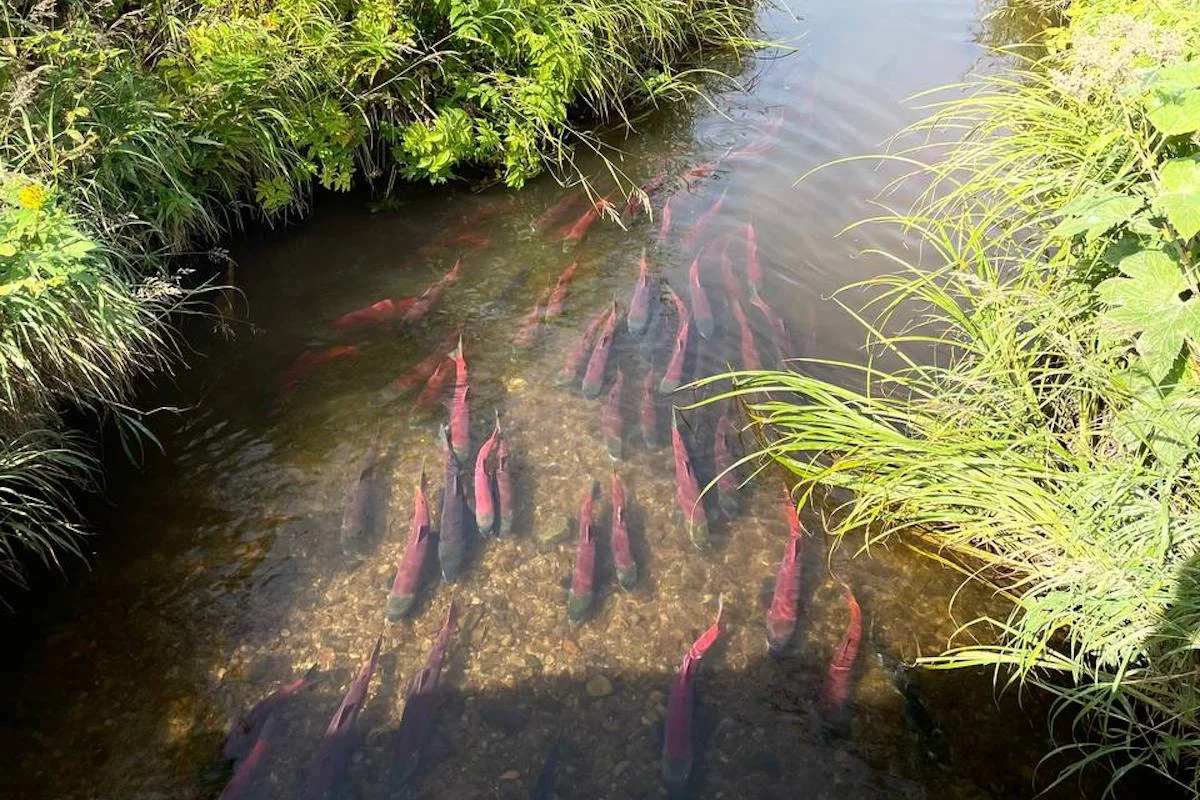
[(747, 346), (574, 234), (701, 310), (593, 377), (610, 422), (673, 377), (703, 221), (779, 332), (420, 705), (622, 553), (429, 298), (640, 200), (485, 500), (781, 616), (245, 772), (687, 490), (754, 273), (408, 574), (664, 225), (504, 487), (648, 415), (559, 296), (378, 312), (435, 387), (581, 350), (555, 212), (579, 599), (727, 482), (678, 755), (733, 287), (460, 418), (309, 360), (419, 373), (333, 754), (246, 731), (638, 318), (836, 690), (699, 171), (532, 324), (452, 527)]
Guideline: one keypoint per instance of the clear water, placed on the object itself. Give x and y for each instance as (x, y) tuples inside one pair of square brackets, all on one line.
[(221, 575)]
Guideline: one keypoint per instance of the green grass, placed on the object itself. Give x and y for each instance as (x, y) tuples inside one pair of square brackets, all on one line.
[(1028, 405)]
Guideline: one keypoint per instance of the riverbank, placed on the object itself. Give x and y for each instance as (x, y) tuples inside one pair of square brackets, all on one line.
[(134, 138), (1048, 443)]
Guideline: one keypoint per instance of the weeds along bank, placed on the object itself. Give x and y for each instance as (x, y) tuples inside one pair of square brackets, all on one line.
[(133, 132), (1040, 418)]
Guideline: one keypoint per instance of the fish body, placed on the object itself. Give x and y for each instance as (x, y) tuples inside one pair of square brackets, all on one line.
[(557, 211), (558, 297), (640, 200), (333, 754), (504, 487), (452, 531), (727, 482), (435, 386), (781, 616), (416, 721), (246, 731), (648, 413), (544, 789), (754, 273), (622, 552), (593, 377), (579, 598), (701, 309), (734, 290), (673, 377), (419, 373), (309, 360), (485, 499), (360, 516), (429, 298), (703, 221), (836, 689), (746, 343), (687, 491), (678, 754), (408, 573), (579, 229), (245, 772), (638, 318), (664, 225), (532, 324), (581, 350), (460, 414), (611, 423), (377, 313), (699, 171), (779, 332)]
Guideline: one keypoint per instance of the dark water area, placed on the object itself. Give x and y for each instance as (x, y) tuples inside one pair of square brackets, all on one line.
[(221, 573)]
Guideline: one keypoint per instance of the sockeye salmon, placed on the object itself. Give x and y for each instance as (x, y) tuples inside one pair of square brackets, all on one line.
[(673, 377), (377, 313), (429, 298), (781, 616), (532, 323), (687, 492), (701, 310), (452, 529), (648, 415), (727, 482), (362, 515), (460, 418), (754, 273), (558, 297), (836, 690), (333, 754), (309, 360), (412, 565), (638, 318), (746, 344), (244, 773), (435, 387), (485, 499), (247, 730), (779, 332), (678, 753), (622, 553), (702, 222), (593, 377), (420, 701), (420, 372), (504, 487), (581, 350), (611, 423), (579, 598)]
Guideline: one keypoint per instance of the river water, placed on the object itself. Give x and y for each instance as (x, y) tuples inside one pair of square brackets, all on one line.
[(221, 574)]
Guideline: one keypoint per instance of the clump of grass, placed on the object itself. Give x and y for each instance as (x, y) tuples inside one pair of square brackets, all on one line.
[(1017, 412)]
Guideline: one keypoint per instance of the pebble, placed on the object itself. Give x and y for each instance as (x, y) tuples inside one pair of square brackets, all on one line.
[(511, 775), (599, 686)]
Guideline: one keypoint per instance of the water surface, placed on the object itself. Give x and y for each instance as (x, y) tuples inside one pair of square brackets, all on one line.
[(222, 576)]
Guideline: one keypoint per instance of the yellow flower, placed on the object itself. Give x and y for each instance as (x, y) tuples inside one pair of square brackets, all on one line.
[(32, 195)]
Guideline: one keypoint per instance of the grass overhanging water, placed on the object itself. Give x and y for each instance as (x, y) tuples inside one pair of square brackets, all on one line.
[(1030, 406), (134, 134)]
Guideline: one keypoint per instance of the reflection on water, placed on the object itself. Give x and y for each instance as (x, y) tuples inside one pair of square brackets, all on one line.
[(227, 575)]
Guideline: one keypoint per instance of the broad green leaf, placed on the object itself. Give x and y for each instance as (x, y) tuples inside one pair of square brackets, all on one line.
[(1174, 112), (1163, 417), (1153, 301), (7, 250), (1094, 214), (1179, 200), (1175, 77)]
